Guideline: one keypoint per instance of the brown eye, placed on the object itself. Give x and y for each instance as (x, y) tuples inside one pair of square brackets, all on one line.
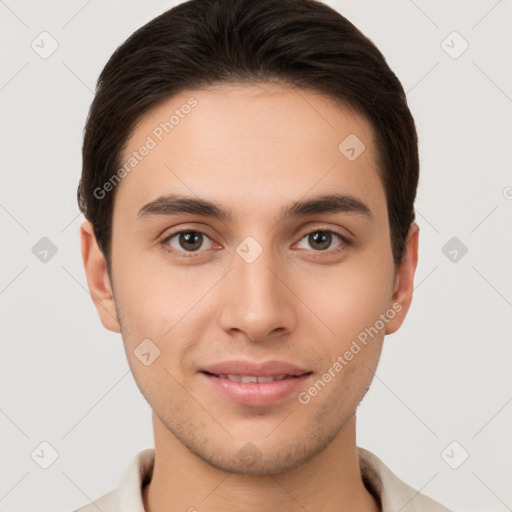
[(321, 240), (187, 241)]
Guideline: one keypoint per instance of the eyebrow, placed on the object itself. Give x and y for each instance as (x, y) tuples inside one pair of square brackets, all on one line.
[(173, 204)]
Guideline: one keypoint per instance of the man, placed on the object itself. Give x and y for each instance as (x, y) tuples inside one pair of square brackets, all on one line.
[(249, 176)]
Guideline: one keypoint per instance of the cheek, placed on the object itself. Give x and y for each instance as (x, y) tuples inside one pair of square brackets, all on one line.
[(348, 300), (169, 306), (152, 293)]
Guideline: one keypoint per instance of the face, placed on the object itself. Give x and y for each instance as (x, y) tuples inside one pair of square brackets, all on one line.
[(249, 285)]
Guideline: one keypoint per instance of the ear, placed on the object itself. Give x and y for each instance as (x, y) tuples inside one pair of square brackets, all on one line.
[(404, 280), (97, 278)]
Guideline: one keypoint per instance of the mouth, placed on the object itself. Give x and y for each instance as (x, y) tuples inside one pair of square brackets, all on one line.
[(257, 379), (255, 385)]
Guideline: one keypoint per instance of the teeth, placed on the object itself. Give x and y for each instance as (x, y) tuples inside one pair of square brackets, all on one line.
[(243, 378), (252, 378), (266, 379)]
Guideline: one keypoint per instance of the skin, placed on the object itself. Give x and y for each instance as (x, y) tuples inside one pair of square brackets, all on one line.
[(252, 149)]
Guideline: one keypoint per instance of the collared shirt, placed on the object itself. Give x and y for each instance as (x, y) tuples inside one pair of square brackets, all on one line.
[(393, 494)]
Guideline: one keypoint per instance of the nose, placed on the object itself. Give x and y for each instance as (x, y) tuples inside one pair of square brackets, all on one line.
[(256, 300)]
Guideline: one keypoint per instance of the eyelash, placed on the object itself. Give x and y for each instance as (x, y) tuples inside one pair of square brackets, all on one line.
[(345, 242)]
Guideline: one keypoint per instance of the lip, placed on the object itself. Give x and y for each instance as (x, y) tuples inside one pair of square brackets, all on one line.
[(264, 369), (255, 394)]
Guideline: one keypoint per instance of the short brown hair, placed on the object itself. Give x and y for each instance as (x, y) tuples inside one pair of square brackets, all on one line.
[(303, 43)]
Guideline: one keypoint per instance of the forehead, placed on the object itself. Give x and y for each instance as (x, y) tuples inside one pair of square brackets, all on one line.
[(249, 146)]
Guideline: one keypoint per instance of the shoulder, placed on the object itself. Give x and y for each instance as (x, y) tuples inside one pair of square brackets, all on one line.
[(394, 494), (128, 495)]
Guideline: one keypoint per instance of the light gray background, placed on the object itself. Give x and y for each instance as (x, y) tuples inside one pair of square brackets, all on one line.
[(445, 376)]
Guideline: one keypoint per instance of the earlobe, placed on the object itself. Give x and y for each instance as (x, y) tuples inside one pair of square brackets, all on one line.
[(404, 281), (98, 280)]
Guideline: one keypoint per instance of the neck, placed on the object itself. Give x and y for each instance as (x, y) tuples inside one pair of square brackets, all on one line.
[(330, 481)]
